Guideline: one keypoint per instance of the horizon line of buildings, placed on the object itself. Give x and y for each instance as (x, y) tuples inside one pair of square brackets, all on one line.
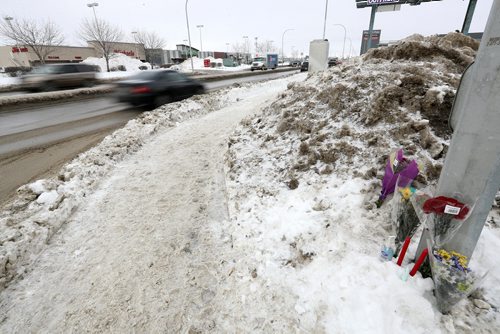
[(21, 56)]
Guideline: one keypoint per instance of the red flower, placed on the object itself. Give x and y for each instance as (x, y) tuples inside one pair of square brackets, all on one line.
[(448, 205)]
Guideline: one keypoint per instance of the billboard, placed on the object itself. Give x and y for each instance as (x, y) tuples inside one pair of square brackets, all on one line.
[(375, 40)]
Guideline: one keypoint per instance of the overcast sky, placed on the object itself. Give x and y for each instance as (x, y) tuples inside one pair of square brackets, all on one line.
[(228, 21)]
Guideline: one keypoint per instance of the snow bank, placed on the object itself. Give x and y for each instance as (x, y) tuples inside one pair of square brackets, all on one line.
[(116, 60), (198, 64), (304, 176), (7, 82)]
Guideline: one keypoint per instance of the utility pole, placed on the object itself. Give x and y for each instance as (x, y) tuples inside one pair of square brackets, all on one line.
[(472, 165), (345, 35), (324, 24), (189, 37), (201, 43), (282, 45), (93, 5)]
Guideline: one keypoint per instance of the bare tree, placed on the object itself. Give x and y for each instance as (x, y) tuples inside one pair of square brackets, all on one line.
[(102, 34), (265, 47), (41, 37), (239, 48), (151, 43), (260, 48)]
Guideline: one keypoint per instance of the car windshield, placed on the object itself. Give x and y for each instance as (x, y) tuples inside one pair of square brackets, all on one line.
[(259, 59), (45, 70)]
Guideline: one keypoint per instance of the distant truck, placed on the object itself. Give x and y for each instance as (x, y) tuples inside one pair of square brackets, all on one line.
[(263, 63)]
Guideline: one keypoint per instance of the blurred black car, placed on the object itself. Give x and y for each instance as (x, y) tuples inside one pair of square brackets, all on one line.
[(304, 67), (155, 88)]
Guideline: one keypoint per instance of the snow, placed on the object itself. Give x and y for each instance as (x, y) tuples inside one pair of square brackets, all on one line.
[(6, 81), (153, 228), (117, 59), (198, 64)]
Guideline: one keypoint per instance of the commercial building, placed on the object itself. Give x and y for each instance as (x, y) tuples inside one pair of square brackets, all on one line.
[(15, 56)]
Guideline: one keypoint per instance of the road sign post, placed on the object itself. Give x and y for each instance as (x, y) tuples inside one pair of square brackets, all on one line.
[(472, 165)]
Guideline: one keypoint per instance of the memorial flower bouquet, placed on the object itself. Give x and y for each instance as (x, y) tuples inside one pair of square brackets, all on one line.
[(404, 218), (453, 280), (446, 216)]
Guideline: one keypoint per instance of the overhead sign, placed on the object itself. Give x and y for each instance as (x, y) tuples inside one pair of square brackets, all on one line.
[(375, 40), (388, 8), (381, 2), (371, 3)]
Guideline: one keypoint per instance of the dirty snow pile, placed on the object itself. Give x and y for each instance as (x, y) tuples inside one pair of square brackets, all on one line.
[(41, 208), (198, 64), (303, 178)]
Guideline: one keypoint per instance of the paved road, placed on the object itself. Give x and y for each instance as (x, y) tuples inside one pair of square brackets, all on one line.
[(37, 140)]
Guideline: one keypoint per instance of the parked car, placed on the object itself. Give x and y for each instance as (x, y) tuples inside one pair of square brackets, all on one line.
[(58, 76), (304, 67), (295, 63), (155, 88), (334, 62)]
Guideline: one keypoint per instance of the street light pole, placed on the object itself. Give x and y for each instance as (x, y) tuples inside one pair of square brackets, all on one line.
[(134, 33), (350, 46), (93, 5), (189, 37), (247, 48), (201, 43), (282, 45), (324, 25), (345, 35), (9, 22)]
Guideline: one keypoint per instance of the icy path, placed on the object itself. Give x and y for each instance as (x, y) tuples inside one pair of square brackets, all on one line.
[(147, 253)]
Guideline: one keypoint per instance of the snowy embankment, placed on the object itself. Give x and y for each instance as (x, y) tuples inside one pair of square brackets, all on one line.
[(8, 83), (304, 177)]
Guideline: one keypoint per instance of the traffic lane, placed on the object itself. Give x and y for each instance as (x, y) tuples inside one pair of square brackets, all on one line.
[(43, 162), (41, 137), (12, 122)]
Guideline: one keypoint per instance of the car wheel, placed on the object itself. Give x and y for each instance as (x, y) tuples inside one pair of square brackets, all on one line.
[(161, 100), (251, 69), (264, 68), (48, 87), (88, 83)]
